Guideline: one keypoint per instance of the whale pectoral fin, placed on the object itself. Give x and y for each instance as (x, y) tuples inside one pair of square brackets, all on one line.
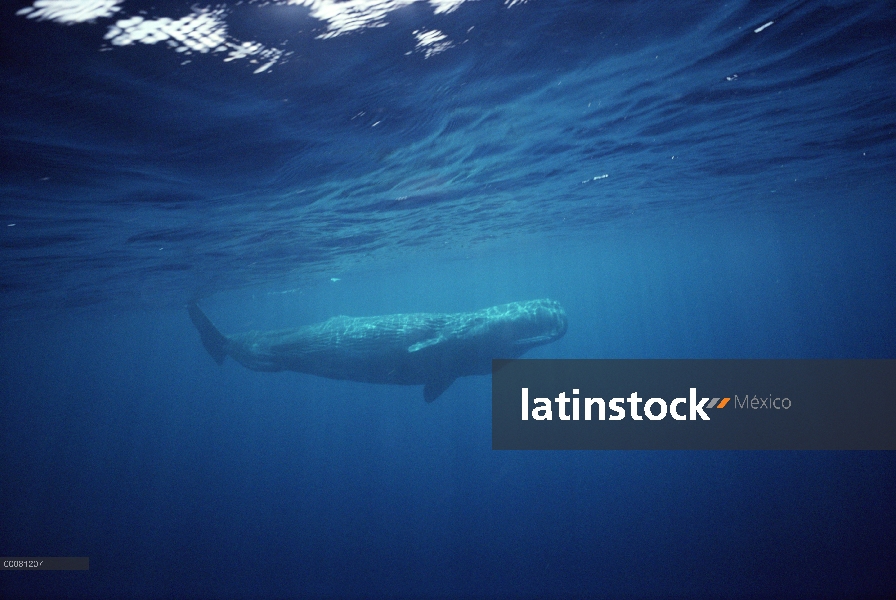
[(433, 389), (214, 341), (426, 343)]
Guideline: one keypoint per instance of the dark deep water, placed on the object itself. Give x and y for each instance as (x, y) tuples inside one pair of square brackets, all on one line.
[(685, 180)]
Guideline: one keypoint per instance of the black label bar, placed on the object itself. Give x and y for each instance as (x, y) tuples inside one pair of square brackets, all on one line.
[(45, 563), (694, 404)]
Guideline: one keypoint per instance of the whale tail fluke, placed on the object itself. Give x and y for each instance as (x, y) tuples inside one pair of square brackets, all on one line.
[(213, 340)]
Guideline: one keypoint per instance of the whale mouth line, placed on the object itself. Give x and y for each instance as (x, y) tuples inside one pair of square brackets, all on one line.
[(534, 340)]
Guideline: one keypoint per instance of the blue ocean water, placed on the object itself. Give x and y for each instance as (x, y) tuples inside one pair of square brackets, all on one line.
[(689, 179)]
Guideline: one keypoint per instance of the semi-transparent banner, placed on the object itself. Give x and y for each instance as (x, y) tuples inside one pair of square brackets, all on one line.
[(694, 404)]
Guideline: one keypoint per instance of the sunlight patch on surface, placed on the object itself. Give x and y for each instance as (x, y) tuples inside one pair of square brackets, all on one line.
[(445, 6), (204, 30), (70, 11), (350, 15), (346, 16), (201, 31), (431, 42)]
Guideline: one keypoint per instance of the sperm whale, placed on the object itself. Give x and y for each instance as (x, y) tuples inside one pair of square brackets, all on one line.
[(428, 349)]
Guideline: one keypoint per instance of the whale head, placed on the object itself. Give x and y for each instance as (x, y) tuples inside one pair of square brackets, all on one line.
[(529, 324)]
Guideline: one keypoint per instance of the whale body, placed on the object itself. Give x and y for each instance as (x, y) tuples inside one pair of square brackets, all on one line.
[(427, 349)]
